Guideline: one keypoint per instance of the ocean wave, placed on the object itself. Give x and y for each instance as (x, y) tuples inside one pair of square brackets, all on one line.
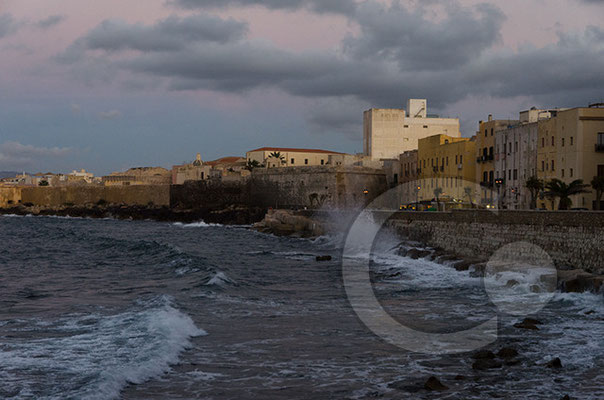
[(95, 357), (220, 279), (200, 224)]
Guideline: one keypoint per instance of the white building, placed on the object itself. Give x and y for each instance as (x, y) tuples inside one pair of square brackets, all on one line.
[(387, 133)]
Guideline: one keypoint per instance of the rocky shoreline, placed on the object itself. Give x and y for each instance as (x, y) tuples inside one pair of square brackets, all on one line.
[(233, 215)]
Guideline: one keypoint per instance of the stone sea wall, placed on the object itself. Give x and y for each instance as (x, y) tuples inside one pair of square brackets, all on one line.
[(9, 196), (158, 195), (573, 239)]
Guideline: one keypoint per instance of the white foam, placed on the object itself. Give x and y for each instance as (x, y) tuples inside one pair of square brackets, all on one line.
[(220, 279), (106, 352), (200, 224)]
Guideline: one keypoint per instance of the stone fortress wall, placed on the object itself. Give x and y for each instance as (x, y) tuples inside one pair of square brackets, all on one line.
[(158, 195)]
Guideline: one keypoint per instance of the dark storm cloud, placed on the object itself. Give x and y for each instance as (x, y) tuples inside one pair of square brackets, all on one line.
[(171, 34), (412, 40), (8, 25), (50, 21), (397, 54), (345, 7)]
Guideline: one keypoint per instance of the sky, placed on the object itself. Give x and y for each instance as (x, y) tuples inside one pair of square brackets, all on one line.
[(109, 85)]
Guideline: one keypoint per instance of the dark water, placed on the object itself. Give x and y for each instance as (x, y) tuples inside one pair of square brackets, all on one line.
[(99, 309)]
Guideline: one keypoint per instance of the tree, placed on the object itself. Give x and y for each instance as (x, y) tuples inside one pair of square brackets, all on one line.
[(251, 164), (597, 183), (469, 194), (43, 183), (437, 192), (559, 189), (535, 186), (277, 156)]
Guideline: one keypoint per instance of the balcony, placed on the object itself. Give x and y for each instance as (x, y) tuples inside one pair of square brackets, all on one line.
[(600, 148)]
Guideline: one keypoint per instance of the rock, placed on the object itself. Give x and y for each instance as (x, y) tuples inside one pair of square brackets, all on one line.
[(478, 270), (418, 253), (465, 265), (555, 363), (590, 312), (459, 377), (535, 289), (405, 387), (323, 258), (483, 354), (512, 283), (532, 321), (507, 352), (434, 384), (486, 363), (567, 397)]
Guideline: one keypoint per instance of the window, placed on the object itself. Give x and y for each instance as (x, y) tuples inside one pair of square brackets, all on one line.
[(292, 161), (515, 174), (571, 172), (491, 152), (572, 139), (553, 142), (456, 159), (485, 176), (600, 138), (491, 131), (425, 126), (553, 169), (542, 165), (306, 161), (505, 148), (516, 147), (542, 142), (562, 142), (600, 170), (322, 162), (485, 133), (447, 161), (406, 126), (491, 177), (461, 159), (510, 174)]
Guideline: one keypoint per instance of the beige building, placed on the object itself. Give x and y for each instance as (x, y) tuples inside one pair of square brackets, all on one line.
[(194, 171), (289, 157), (570, 147), (139, 176), (387, 133), (447, 163)]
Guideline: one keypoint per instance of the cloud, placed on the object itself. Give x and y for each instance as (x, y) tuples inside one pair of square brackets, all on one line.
[(50, 21), (345, 7), (112, 114), (8, 25), (397, 53), (16, 155)]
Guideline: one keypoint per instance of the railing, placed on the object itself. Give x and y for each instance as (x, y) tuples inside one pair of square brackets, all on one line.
[(600, 147)]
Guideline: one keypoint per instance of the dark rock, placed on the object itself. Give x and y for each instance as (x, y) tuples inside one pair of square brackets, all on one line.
[(483, 354), (507, 352), (463, 265), (590, 312), (459, 377), (512, 283), (323, 258), (417, 253), (486, 363), (555, 363), (567, 397), (434, 384), (405, 386), (532, 321), (535, 289)]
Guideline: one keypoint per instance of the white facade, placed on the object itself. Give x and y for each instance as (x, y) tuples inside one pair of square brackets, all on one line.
[(387, 133)]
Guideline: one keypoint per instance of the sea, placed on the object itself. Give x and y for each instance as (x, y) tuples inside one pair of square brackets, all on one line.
[(115, 309)]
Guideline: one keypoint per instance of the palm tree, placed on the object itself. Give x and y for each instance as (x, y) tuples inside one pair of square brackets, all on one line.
[(468, 192), (557, 188), (277, 156), (437, 192), (535, 186), (251, 164), (597, 183)]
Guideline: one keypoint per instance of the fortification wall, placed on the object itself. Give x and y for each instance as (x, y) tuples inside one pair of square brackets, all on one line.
[(9, 196), (81, 195), (574, 239)]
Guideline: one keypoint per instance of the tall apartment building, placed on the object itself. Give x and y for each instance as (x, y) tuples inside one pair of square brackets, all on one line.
[(448, 163), (571, 146), (387, 133), (485, 155)]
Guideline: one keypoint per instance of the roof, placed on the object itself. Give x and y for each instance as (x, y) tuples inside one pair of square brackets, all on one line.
[(295, 150), (224, 160)]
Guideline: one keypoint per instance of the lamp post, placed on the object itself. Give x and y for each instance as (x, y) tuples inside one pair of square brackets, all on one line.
[(417, 198), (498, 183)]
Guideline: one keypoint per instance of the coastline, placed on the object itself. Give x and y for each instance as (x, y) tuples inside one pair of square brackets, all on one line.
[(232, 215)]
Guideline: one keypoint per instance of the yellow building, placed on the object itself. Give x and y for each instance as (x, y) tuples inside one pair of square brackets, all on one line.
[(387, 133), (289, 157), (571, 147), (448, 163), (139, 176)]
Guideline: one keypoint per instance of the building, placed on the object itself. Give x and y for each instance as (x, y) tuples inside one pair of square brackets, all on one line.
[(387, 133), (194, 171), (570, 147), (274, 157), (485, 156), (80, 176), (139, 176), (446, 163)]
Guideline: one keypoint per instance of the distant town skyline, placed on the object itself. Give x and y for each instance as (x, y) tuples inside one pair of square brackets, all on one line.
[(111, 85)]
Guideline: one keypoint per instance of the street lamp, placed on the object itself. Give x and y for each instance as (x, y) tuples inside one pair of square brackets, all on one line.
[(498, 183), (417, 198)]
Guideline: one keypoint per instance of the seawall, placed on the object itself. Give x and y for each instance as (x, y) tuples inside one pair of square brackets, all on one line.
[(573, 239), (158, 195)]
